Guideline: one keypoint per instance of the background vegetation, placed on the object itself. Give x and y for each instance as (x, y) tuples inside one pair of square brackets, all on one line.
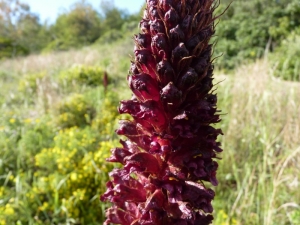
[(58, 115)]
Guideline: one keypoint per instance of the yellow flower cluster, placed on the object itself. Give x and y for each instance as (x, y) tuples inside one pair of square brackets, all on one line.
[(75, 111), (12, 120), (223, 219), (6, 210), (75, 170), (58, 168), (29, 83), (107, 121)]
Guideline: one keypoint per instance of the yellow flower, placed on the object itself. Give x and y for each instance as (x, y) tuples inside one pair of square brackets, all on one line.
[(11, 177), (73, 176), (12, 120), (234, 221), (9, 210), (44, 206), (28, 120)]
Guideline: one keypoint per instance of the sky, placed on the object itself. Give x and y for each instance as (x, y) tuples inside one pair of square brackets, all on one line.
[(49, 9)]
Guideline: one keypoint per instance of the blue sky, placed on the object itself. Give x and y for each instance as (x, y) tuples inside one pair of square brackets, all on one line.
[(49, 9)]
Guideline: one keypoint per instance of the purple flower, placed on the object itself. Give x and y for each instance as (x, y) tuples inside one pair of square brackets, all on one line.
[(170, 145)]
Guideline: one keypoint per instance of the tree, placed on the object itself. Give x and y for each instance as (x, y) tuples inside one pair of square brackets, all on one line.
[(77, 27), (20, 29), (250, 27)]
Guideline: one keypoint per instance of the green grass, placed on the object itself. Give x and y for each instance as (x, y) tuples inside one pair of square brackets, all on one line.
[(55, 134), (259, 173)]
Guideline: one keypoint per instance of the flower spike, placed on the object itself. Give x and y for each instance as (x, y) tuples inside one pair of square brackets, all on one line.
[(170, 147)]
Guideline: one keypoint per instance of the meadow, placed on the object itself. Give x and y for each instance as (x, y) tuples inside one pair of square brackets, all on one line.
[(57, 122)]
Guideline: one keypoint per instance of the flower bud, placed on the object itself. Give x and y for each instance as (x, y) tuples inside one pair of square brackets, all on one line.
[(143, 40), (153, 13), (145, 26), (186, 24), (156, 26), (159, 46), (165, 71), (178, 53), (171, 95), (144, 87), (176, 36), (171, 18), (188, 79), (146, 62)]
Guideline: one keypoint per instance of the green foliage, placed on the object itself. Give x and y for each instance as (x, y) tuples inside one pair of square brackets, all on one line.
[(128, 29), (52, 163), (21, 31), (78, 27), (74, 111), (32, 35), (8, 48), (110, 36), (53, 168), (295, 216), (249, 28), (106, 120), (29, 84), (82, 75), (261, 147), (76, 175), (114, 19), (286, 60), (21, 28), (261, 130), (222, 217)]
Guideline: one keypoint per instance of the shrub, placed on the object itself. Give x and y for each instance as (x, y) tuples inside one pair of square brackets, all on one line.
[(286, 60), (77, 27), (29, 83), (52, 170), (74, 111), (10, 49), (75, 175), (250, 27), (82, 75), (64, 184), (106, 119), (20, 140), (110, 36), (36, 134)]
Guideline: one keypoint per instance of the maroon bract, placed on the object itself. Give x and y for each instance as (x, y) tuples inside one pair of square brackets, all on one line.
[(171, 144)]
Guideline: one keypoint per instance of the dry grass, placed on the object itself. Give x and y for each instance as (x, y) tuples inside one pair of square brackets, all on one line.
[(116, 62), (56, 61), (261, 146)]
